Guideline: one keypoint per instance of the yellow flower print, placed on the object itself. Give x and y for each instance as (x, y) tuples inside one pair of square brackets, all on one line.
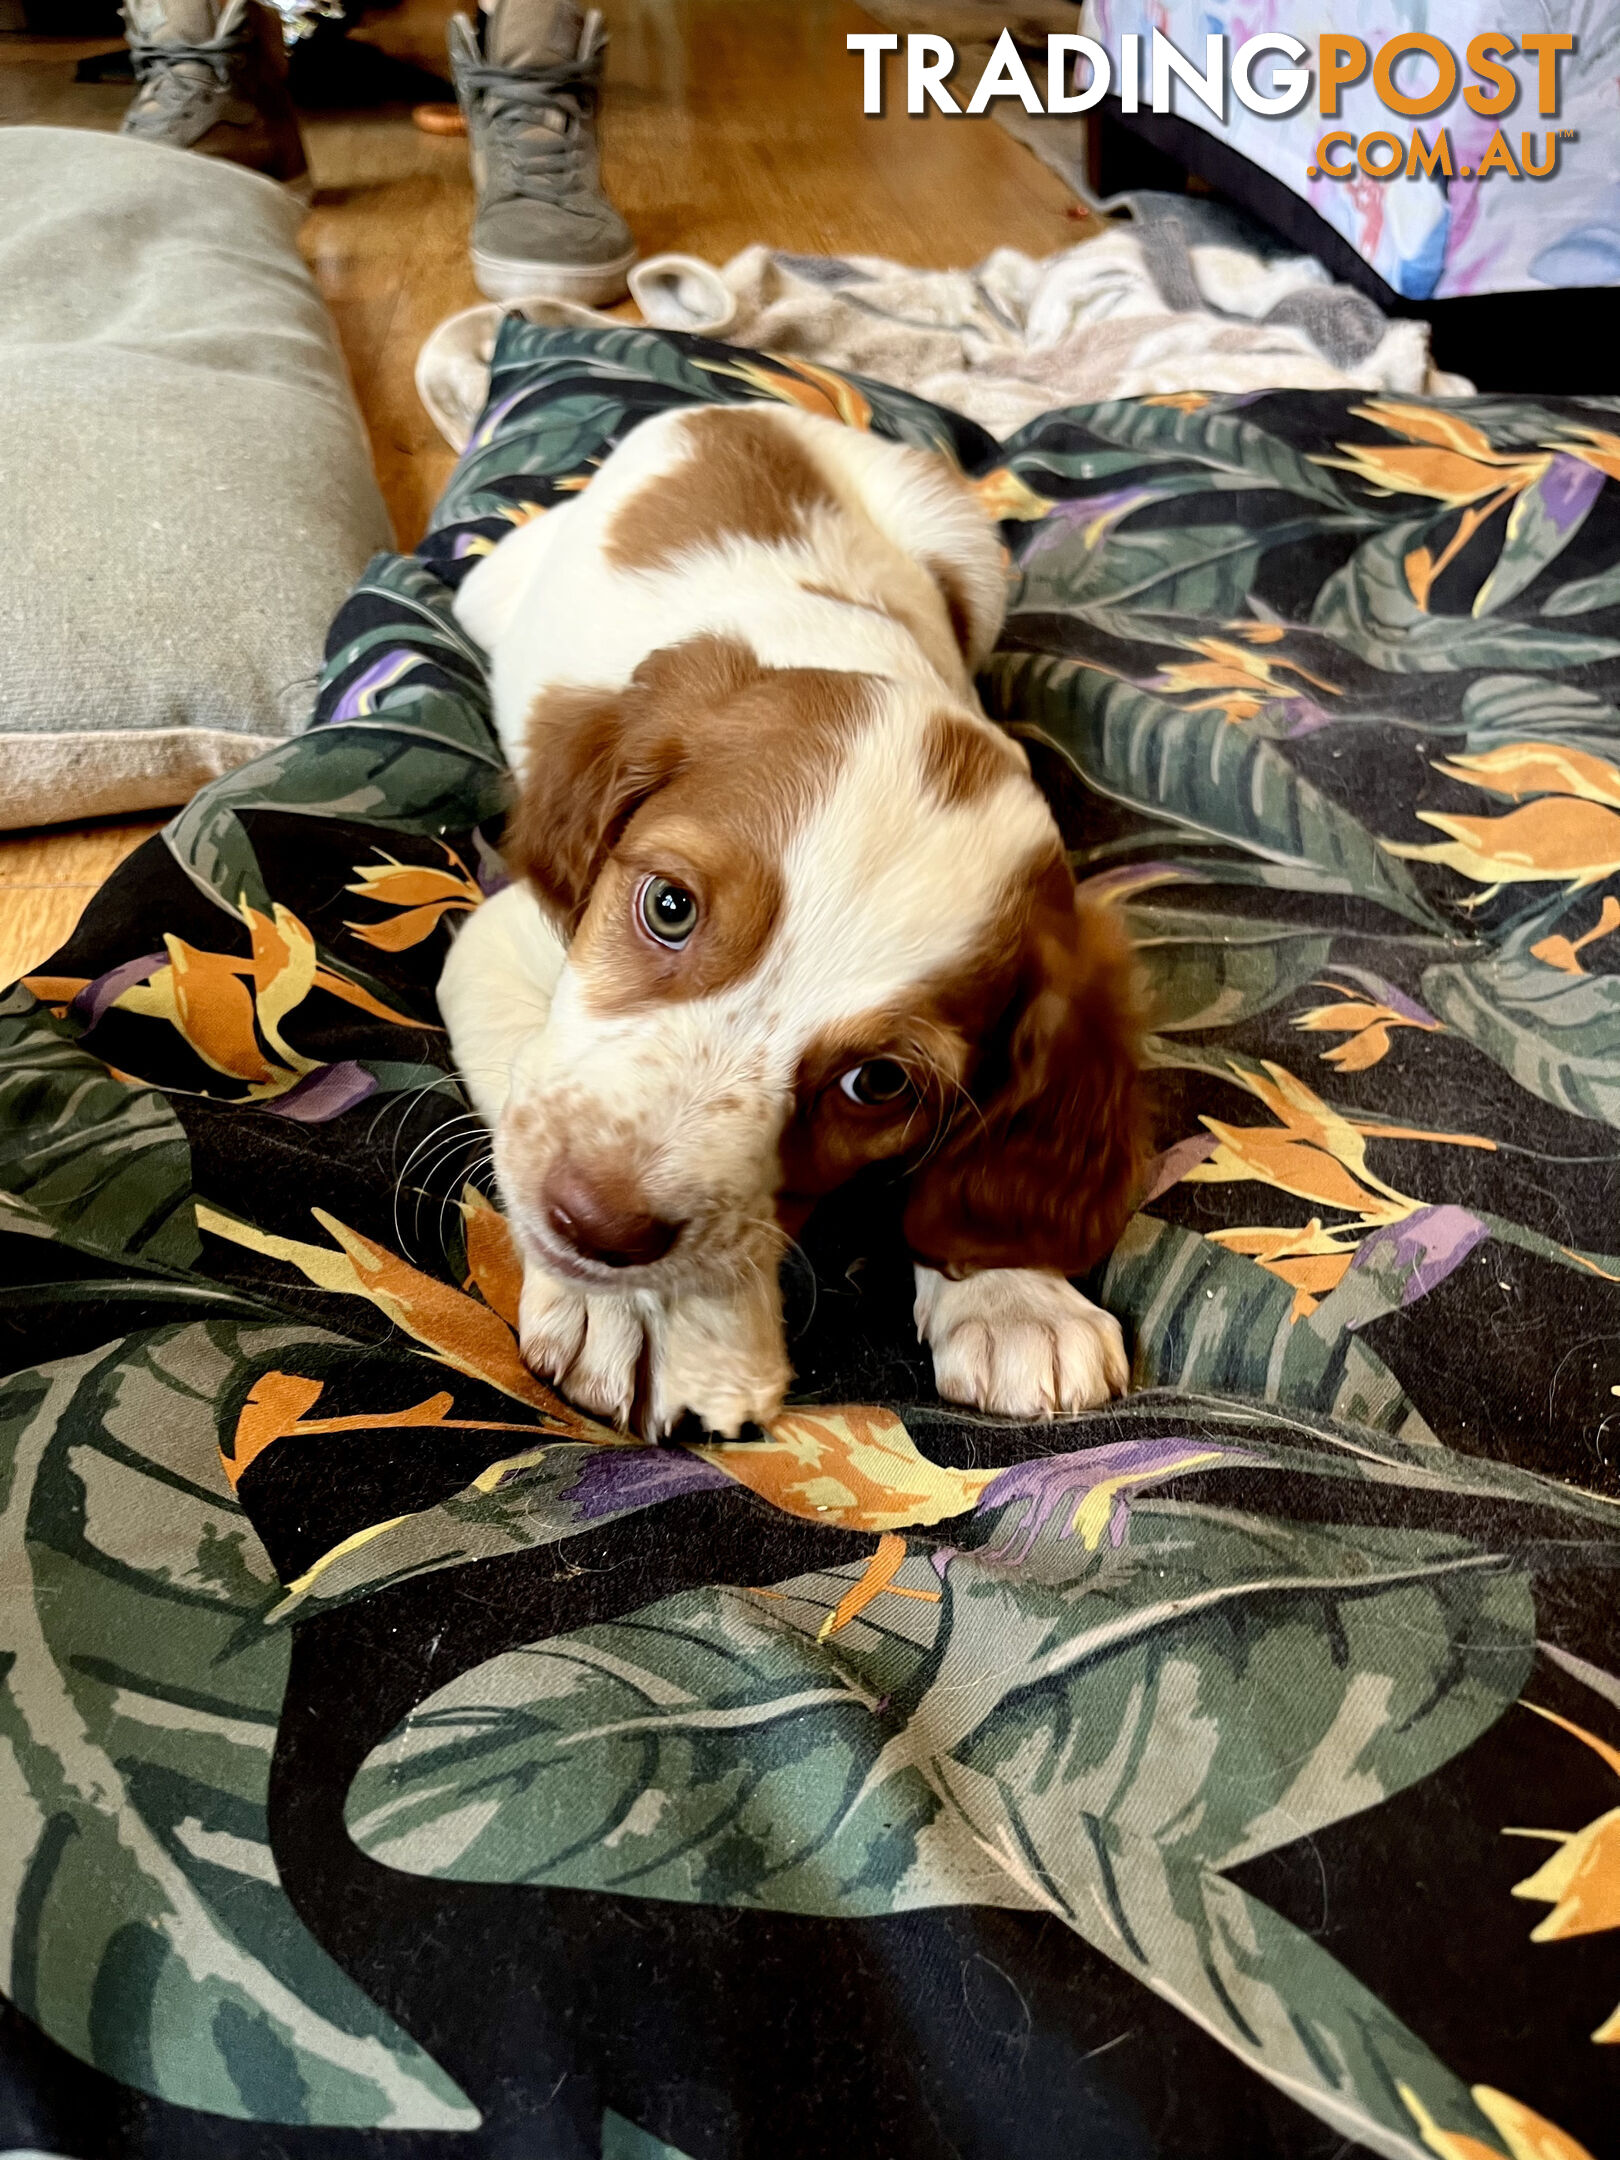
[(1581, 1882)]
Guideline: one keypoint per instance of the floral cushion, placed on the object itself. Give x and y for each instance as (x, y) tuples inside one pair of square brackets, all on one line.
[(386, 1747)]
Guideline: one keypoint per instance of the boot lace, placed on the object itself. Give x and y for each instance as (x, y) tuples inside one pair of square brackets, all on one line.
[(542, 161)]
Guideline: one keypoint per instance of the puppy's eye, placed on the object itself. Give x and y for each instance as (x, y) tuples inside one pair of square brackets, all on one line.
[(669, 910), (877, 1084)]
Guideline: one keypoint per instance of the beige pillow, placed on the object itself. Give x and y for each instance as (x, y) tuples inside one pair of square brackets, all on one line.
[(188, 493)]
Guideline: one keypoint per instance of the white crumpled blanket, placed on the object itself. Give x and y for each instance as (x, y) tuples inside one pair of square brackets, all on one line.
[(1134, 312)]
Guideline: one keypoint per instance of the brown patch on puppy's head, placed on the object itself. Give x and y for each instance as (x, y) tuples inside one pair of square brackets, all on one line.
[(594, 755), (697, 771)]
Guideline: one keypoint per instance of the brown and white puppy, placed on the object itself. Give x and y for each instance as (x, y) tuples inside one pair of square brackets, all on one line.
[(786, 904)]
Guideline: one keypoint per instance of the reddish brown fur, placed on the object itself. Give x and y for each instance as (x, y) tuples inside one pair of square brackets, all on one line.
[(696, 771), (1042, 1170), (963, 762), (954, 595), (743, 479), (938, 1032)]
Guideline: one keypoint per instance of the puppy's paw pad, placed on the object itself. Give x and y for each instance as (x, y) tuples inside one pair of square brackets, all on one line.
[(689, 1430)]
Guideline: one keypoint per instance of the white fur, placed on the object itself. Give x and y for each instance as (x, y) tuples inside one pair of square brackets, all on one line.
[(1021, 1342), (884, 889)]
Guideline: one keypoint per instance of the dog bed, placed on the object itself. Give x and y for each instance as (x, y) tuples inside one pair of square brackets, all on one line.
[(393, 1760)]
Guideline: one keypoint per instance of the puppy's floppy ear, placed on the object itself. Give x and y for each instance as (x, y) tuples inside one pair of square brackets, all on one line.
[(1041, 1169), (593, 757)]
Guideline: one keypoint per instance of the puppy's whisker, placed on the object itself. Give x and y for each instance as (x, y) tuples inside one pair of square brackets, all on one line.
[(789, 1248), (439, 1147), (459, 1132)]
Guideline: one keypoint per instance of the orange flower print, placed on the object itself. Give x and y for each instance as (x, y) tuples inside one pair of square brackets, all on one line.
[(1569, 835), (813, 389), (231, 1010), (1237, 681), (1453, 463), (1003, 494), (276, 1407), (1442, 455), (421, 896), (1550, 842), (1318, 1155), (1313, 1261), (1525, 2135), (1536, 768), (1366, 1024), (1564, 953)]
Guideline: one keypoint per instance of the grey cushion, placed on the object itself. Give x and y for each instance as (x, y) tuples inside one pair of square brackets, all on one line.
[(186, 486)]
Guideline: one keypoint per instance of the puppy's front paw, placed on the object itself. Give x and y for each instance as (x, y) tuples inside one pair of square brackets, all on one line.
[(715, 1359), (1019, 1342), (721, 1360), (588, 1346)]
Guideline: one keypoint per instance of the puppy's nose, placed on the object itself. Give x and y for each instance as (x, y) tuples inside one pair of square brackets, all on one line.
[(601, 1223)]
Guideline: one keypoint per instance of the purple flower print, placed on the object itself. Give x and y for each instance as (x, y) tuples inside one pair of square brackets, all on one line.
[(1411, 1257), (1090, 1490), (325, 1093), (1568, 489), (616, 1480), (97, 997), (1060, 522), (361, 695)]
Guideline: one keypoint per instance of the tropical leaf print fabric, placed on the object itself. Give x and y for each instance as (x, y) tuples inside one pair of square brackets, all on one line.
[(394, 1759)]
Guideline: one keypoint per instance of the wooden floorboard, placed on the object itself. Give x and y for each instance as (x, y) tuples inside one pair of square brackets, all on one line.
[(725, 122)]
